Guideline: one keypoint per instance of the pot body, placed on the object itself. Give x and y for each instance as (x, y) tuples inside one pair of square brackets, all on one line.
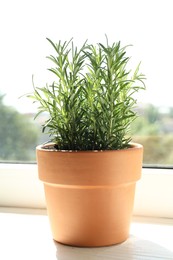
[(90, 194)]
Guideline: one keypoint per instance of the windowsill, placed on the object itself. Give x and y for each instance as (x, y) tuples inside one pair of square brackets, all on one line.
[(20, 187), (25, 234)]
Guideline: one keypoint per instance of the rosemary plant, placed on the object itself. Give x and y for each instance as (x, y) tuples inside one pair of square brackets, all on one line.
[(91, 103)]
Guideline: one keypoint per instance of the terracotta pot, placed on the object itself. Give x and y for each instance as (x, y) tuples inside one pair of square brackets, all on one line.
[(90, 194)]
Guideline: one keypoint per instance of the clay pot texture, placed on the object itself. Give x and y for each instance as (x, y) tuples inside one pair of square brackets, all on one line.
[(90, 194)]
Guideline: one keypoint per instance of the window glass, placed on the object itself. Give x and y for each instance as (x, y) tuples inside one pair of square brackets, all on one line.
[(147, 25)]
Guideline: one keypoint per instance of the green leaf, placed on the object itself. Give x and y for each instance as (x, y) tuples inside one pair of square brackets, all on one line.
[(91, 102)]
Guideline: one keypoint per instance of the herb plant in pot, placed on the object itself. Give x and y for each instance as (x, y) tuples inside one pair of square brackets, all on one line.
[(90, 167)]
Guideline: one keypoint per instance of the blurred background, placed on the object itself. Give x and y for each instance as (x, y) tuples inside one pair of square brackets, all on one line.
[(146, 25)]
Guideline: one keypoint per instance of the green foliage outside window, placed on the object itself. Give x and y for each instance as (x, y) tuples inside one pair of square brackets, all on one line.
[(18, 135), (154, 129)]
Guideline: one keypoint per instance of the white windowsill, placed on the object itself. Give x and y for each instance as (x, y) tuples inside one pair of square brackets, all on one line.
[(25, 234), (20, 187)]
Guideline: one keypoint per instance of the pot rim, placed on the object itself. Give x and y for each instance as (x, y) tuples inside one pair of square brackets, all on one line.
[(90, 168), (48, 147)]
